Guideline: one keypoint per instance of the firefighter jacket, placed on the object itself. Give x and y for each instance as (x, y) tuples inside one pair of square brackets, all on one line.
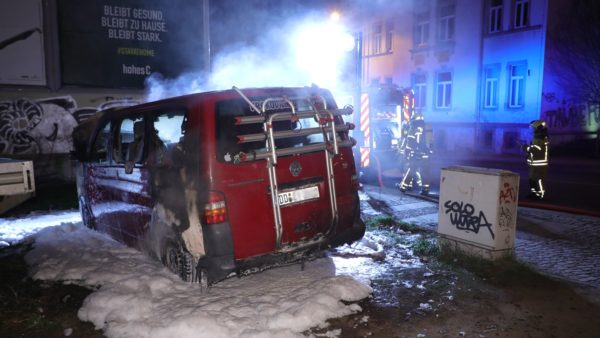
[(537, 152), (416, 146)]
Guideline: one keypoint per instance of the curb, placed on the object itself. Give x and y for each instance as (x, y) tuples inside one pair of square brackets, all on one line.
[(527, 204), (554, 207)]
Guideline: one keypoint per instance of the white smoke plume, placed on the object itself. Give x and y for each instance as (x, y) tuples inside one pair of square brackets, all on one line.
[(311, 50)]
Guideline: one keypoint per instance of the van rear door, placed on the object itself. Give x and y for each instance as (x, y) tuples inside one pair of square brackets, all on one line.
[(283, 174)]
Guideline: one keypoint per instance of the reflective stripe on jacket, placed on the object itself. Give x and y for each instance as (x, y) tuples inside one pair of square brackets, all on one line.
[(537, 153)]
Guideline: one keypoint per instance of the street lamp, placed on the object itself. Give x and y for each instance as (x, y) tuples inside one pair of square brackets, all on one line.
[(335, 16)]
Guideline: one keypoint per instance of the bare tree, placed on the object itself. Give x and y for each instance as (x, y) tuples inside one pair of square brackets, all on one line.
[(574, 47)]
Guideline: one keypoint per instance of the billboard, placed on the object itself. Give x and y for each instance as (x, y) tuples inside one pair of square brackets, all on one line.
[(117, 44), (22, 43)]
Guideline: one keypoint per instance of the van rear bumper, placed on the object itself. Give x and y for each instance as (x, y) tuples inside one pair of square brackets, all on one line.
[(288, 255)]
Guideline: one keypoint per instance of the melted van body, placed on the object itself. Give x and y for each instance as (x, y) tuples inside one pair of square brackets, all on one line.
[(222, 182)]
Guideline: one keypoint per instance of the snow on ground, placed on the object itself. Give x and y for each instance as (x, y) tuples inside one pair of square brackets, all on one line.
[(136, 296), (365, 208), (13, 230)]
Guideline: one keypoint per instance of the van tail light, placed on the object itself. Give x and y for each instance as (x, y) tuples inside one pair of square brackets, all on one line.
[(215, 211)]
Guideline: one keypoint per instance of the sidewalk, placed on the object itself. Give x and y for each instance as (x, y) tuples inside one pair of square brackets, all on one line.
[(572, 183), (563, 245)]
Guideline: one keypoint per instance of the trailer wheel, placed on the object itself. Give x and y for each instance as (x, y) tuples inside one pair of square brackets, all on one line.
[(179, 261), (203, 280), (86, 215)]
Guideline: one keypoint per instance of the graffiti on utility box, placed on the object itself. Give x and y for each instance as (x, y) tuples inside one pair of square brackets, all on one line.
[(508, 195), (462, 215)]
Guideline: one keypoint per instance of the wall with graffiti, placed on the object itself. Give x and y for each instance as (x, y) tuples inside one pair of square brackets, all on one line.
[(43, 126), (40, 129), (563, 114)]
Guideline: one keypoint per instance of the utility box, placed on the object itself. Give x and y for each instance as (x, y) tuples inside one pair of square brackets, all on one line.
[(17, 183), (478, 211)]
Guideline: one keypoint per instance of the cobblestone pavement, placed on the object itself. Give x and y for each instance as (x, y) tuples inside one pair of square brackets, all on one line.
[(566, 246)]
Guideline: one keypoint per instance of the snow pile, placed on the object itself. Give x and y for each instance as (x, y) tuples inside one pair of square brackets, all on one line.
[(12, 230), (371, 245), (138, 297)]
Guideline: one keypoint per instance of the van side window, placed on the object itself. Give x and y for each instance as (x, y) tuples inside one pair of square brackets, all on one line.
[(129, 143), (100, 148), (167, 133), (168, 127)]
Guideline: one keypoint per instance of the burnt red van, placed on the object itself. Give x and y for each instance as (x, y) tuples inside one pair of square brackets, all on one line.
[(222, 182)]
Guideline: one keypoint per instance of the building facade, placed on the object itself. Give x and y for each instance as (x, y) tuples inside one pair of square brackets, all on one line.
[(476, 67)]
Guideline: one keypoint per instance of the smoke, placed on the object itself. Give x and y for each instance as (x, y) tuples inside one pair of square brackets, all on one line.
[(306, 50)]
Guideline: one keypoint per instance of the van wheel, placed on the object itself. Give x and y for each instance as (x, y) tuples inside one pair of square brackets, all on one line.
[(180, 262)]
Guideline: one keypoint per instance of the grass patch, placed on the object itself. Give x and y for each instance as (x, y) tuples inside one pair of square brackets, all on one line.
[(504, 272), (381, 221), (389, 222), (425, 247)]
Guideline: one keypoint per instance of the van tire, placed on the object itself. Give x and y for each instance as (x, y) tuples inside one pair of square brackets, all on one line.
[(179, 261)]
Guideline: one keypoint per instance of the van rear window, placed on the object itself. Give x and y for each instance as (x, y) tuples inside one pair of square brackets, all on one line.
[(227, 131)]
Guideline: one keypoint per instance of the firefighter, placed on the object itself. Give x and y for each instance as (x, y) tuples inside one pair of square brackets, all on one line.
[(402, 149), (537, 158), (416, 155)]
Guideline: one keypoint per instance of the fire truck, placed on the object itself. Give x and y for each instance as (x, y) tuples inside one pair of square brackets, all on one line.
[(382, 118)]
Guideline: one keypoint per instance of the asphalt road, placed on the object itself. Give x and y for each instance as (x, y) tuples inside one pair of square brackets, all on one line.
[(572, 185)]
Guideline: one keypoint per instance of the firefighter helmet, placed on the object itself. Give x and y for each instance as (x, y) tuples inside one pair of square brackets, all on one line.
[(535, 124), (539, 128), (417, 117), (417, 121)]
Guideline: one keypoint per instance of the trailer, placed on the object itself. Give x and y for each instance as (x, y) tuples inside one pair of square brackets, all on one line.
[(17, 183)]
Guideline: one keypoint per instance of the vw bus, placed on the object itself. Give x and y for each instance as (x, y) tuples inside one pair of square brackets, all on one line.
[(221, 183)]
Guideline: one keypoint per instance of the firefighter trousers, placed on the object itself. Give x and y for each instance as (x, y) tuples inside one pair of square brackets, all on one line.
[(537, 178), (416, 174)]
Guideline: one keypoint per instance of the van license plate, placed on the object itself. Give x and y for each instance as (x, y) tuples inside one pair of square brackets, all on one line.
[(298, 195)]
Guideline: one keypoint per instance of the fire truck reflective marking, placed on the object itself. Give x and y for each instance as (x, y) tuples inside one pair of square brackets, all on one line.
[(364, 119), (365, 128), (299, 195), (364, 157), (408, 103)]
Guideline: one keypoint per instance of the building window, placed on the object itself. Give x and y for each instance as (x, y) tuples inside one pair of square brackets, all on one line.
[(421, 32), (495, 17), (446, 23), (389, 36), (376, 47), (521, 13), (420, 89), (443, 95), (491, 78), (516, 84)]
